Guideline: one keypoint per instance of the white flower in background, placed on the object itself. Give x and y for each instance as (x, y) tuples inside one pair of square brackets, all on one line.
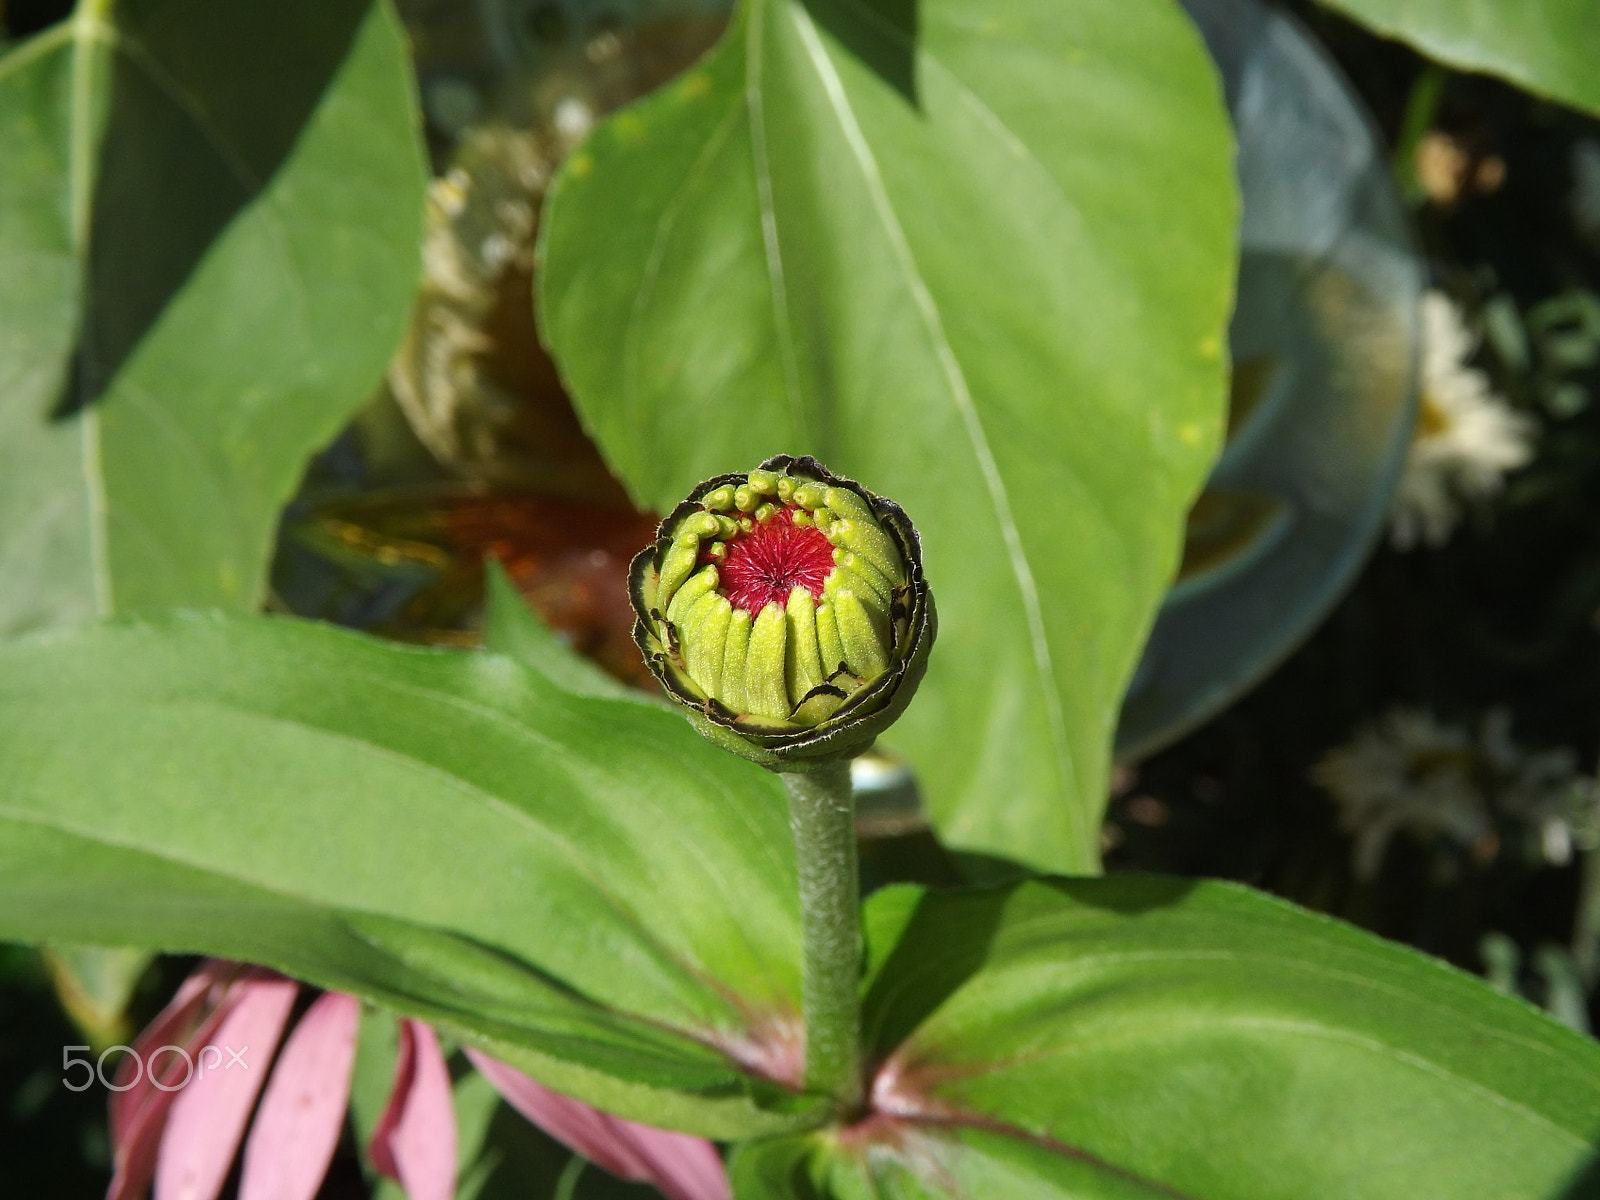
[(1405, 772), (1410, 772), (1466, 439), (1544, 792)]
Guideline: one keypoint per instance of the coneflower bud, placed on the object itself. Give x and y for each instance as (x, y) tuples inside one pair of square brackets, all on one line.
[(787, 609)]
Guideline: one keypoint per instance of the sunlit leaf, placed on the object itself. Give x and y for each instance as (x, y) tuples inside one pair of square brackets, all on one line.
[(1137, 1037), (582, 886), (209, 220), (977, 255)]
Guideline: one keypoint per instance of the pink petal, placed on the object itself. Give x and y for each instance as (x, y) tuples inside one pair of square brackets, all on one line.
[(208, 1114), (138, 1108), (415, 1139), (680, 1166), (297, 1129), (171, 1026), (569, 1121)]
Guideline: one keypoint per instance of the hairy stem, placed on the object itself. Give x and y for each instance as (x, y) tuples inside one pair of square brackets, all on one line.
[(822, 819)]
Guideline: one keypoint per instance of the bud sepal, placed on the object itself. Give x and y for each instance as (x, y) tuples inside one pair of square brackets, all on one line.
[(786, 609)]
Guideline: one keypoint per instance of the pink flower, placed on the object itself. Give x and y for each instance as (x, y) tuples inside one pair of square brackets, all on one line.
[(681, 1167), (187, 1092)]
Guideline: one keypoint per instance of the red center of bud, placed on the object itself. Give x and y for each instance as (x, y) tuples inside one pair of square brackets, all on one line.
[(766, 564)]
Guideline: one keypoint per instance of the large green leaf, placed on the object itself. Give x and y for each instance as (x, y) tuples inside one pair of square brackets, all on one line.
[(1550, 47), (209, 219), (581, 885), (511, 628), (1142, 1037), (974, 253)]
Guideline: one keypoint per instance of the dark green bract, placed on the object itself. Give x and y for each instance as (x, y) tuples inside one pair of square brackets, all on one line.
[(786, 609)]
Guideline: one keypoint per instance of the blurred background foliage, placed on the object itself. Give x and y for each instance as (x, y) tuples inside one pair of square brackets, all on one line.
[(1502, 616)]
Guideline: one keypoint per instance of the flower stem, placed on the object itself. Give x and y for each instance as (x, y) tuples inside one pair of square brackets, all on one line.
[(822, 819)]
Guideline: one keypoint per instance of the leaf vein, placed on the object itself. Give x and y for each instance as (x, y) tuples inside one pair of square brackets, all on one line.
[(956, 383), (776, 280)]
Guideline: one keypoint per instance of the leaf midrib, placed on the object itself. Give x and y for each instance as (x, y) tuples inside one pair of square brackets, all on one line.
[(627, 1024), (777, 285), (957, 1119), (88, 30), (1261, 963), (541, 832), (956, 387), (1208, 1022)]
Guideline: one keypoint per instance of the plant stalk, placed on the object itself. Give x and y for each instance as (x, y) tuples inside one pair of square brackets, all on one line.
[(1586, 926), (822, 820)]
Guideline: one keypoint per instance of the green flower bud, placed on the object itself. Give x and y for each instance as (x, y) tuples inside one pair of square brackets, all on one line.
[(787, 610)]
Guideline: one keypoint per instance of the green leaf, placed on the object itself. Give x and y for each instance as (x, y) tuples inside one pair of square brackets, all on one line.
[(511, 628), (940, 247), (96, 985), (581, 886), (946, 1164), (1550, 47), (209, 221), (1145, 1037)]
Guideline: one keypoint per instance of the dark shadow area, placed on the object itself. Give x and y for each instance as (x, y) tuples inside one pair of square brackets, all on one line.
[(943, 944), (988, 870), (22, 18), (1129, 894), (915, 857), (882, 34), (1585, 1185), (53, 1139), (207, 101), (950, 934)]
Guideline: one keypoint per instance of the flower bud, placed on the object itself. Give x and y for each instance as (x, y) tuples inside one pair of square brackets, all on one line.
[(787, 609)]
